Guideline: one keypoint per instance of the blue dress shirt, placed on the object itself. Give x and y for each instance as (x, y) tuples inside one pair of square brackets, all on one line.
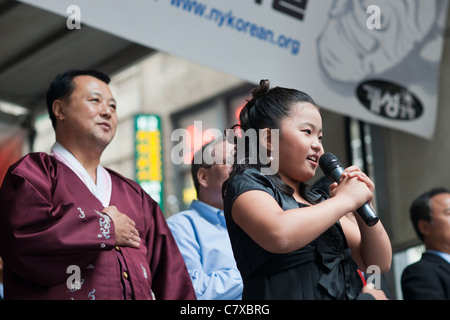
[(202, 237)]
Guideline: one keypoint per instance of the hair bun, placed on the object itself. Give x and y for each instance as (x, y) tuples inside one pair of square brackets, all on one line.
[(262, 89)]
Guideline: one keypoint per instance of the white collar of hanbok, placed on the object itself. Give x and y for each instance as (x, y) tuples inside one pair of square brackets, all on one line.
[(102, 190)]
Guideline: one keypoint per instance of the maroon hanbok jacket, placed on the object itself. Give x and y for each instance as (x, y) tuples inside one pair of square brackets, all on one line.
[(49, 221)]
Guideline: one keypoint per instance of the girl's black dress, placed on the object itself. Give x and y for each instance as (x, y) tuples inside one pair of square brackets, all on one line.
[(322, 270)]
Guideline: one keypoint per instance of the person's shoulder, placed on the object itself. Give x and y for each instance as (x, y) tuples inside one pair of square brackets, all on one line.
[(130, 185), (183, 221), (251, 176), (250, 179), (429, 261), (124, 180), (423, 266), (34, 163), (38, 169), (182, 216)]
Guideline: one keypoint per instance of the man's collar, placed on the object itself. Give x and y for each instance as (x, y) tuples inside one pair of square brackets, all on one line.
[(210, 213)]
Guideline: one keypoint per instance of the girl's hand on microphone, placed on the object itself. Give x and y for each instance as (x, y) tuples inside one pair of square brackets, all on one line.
[(355, 172), (355, 188)]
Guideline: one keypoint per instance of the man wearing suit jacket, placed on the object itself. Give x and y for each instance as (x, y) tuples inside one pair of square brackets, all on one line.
[(429, 278)]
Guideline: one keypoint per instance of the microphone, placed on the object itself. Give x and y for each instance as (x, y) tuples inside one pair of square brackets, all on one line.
[(333, 169)]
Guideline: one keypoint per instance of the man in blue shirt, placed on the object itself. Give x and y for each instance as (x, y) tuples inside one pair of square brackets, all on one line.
[(201, 232), (430, 277)]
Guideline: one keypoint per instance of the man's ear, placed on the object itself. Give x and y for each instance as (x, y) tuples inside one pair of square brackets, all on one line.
[(424, 227), (58, 109), (202, 177)]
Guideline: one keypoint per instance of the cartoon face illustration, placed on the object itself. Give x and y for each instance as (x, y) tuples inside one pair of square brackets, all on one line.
[(350, 51)]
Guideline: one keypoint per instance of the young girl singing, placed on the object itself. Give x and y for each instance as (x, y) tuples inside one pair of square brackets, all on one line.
[(290, 242)]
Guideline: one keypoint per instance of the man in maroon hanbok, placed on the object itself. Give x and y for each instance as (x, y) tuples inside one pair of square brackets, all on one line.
[(71, 229)]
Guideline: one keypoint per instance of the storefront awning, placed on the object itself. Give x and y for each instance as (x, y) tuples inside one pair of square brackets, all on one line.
[(37, 45)]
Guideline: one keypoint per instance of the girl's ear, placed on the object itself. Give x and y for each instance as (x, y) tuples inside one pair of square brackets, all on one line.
[(266, 138)]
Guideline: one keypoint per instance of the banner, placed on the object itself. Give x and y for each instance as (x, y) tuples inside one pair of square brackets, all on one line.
[(375, 60)]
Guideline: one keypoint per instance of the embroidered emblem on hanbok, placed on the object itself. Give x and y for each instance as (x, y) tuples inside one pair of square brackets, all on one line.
[(144, 271), (81, 215), (91, 294), (104, 222)]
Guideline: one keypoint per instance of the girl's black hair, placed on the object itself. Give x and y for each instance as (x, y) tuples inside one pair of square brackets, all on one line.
[(267, 108)]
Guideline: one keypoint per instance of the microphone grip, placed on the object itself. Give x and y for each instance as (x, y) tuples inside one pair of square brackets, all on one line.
[(365, 212), (368, 215)]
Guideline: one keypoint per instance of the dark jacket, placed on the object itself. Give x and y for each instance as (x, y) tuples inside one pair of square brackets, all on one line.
[(427, 279)]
